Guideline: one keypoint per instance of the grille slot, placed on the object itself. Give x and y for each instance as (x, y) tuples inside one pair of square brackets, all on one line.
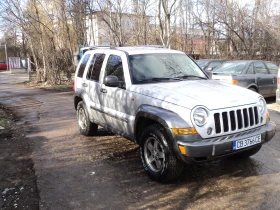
[(236, 119)]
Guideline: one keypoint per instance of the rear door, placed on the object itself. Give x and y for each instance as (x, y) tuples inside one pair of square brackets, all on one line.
[(263, 79), (80, 83), (93, 87)]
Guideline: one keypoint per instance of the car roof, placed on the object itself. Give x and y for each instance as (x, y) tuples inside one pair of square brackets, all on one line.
[(211, 60), (236, 61)]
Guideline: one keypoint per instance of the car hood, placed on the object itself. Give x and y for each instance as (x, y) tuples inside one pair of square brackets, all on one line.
[(209, 93)]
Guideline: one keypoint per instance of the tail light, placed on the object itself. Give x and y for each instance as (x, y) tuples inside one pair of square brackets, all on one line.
[(234, 82), (73, 85), (278, 76)]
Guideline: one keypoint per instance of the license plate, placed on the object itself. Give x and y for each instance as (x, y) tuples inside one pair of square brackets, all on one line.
[(240, 144)]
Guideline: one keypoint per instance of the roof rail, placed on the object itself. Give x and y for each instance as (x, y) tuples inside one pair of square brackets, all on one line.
[(101, 46), (155, 46)]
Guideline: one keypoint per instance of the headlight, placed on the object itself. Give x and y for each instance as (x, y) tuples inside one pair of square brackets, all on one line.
[(200, 116), (261, 105)]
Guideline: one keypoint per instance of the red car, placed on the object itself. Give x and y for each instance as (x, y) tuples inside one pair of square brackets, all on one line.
[(3, 65)]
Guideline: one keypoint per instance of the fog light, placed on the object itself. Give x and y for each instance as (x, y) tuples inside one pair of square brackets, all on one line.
[(182, 150)]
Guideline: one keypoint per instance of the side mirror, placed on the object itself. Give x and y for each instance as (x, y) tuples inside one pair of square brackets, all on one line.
[(209, 69), (78, 57), (111, 81)]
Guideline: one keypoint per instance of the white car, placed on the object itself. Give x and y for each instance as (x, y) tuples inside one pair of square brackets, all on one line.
[(161, 100)]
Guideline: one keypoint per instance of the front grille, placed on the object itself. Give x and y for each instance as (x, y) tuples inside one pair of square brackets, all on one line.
[(236, 119)]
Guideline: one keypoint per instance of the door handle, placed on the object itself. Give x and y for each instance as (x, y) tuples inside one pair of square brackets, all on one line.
[(85, 84), (103, 90)]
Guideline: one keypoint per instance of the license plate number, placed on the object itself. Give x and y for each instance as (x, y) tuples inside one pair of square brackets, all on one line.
[(240, 144)]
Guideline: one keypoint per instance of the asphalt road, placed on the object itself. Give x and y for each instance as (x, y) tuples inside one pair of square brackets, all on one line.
[(105, 172)]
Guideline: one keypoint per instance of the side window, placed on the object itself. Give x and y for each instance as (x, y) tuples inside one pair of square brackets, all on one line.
[(273, 69), (114, 67), (215, 64), (250, 69), (83, 65), (95, 67), (260, 68)]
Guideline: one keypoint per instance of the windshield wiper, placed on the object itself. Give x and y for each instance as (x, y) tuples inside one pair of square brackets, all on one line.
[(190, 76), (159, 79)]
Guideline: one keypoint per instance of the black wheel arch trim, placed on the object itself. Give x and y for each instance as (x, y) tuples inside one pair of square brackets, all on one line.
[(78, 96), (166, 118)]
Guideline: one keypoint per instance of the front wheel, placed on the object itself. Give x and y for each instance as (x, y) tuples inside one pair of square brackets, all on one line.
[(157, 155), (86, 127)]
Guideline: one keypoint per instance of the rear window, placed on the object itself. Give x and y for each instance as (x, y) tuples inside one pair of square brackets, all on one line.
[(231, 67), (83, 65), (273, 69)]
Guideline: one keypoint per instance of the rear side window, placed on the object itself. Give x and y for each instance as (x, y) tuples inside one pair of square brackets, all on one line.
[(83, 65), (114, 67), (95, 67), (250, 69), (260, 68), (273, 69)]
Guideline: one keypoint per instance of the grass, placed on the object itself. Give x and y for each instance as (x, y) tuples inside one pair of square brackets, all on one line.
[(3, 120)]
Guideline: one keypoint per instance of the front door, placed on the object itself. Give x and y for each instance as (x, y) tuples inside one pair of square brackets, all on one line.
[(114, 99), (263, 79)]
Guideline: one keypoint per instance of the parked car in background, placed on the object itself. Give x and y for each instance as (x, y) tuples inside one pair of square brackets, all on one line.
[(3, 65), (208, 65), (278, 88), (256, 75)]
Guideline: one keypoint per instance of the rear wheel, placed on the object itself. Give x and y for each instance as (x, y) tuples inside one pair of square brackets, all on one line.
[(157, 155), (86, 127)]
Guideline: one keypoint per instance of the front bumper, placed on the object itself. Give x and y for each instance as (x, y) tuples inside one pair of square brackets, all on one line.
[(212, 148)]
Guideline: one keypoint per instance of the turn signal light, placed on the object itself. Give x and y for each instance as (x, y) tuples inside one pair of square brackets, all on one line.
[(234, 82), (184, 131), (278, 80), (182, 150)]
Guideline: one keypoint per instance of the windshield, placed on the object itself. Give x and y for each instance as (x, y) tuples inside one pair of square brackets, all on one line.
[(158, 66), (231, 67)]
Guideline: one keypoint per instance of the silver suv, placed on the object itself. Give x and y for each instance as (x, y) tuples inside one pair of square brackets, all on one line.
[(161, 100)]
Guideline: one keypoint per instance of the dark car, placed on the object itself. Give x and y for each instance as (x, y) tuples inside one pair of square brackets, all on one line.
[(256, 75), (208, 65), (3, 65)]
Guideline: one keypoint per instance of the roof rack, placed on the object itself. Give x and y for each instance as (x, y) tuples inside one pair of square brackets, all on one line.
[(101, 46), (155, 46)]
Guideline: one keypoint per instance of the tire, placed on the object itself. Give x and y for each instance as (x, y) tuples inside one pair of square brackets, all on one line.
[(248, 153), (86, 127), (157, 155)]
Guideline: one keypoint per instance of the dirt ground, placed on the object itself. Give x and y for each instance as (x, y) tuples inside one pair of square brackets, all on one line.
[(18, 186), (47, 164)]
